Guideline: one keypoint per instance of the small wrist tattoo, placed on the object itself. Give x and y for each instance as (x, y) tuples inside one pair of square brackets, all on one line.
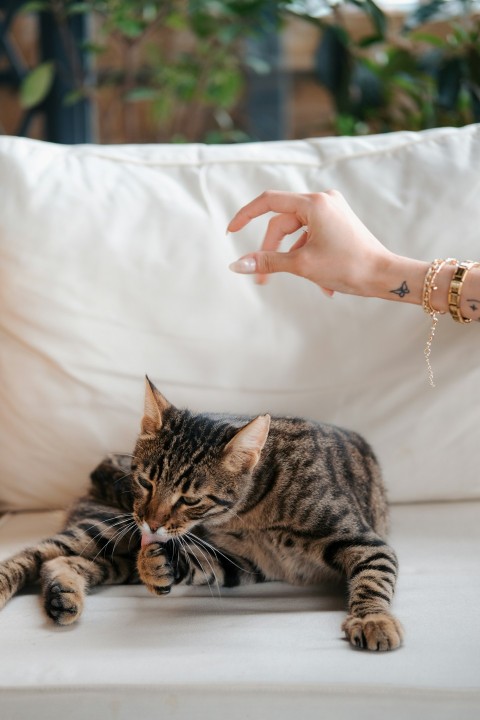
[(402, 290), (474, 305)]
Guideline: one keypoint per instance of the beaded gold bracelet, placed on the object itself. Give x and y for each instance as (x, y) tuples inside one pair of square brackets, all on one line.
[(428, 287), (455, 290)]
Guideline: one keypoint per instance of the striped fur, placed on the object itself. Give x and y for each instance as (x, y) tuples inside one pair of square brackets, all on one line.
[(97, 546), (214, 499)]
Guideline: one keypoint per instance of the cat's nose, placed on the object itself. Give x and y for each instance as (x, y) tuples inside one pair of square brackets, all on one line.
[(154, 528), (149, 527)]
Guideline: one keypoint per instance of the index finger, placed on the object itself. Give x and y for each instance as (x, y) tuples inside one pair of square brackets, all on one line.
[(269, 201)]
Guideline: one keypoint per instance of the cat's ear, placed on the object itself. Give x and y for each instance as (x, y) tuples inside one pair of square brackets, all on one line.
[(242, 453), (155, 406)]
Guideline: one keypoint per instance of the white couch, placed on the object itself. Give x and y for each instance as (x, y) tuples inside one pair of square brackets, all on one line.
[(113, 264)]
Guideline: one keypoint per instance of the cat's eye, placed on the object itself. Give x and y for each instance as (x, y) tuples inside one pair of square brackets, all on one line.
[(146, 484), (190, 501)]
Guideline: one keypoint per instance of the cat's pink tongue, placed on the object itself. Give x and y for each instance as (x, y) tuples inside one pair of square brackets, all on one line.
[(148, 539)]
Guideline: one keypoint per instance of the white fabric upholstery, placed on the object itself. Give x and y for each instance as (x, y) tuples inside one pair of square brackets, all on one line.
[(113, 264), (269, 652)]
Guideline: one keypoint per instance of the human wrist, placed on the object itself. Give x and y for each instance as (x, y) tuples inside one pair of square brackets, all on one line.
[(398, 278), (470, 300)]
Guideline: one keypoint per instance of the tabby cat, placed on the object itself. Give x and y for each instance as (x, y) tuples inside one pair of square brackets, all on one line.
[(212, 498)]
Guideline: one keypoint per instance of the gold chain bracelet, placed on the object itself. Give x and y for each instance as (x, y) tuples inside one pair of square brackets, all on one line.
[(428, 287)]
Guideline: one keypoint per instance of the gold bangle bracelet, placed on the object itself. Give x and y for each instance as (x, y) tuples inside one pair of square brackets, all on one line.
[(455, 291)]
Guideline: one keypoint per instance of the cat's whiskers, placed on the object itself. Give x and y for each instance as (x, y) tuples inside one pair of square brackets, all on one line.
[(121, 531), (201, 568), (215, 550), (107, 522), (133, 534), (125, 517), (102, 550), (189, 536), (186, 552), (182, 545), (176, 549)]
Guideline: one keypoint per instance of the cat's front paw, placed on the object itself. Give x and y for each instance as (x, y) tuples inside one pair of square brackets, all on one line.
[(154, 570), (63, 603), (379, 632), (63, 589)]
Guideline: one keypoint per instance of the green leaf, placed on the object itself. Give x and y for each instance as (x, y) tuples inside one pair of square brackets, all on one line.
[(78, 8), (34, 7), (36, 85), (376, 15), (400, 60), (218, 137), (449, 83), (176, 21), (333, 67), (130, 28), (370, 40), (224, 88), (94, 48), (428, 38), (459, 36), (473, 65), (345, 124), (162, 107), (423, 13), (73, 97), (141, 94), (475, 98)]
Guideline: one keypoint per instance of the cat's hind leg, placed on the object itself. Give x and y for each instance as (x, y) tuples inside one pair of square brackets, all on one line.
[(95, 544), (24, 567)]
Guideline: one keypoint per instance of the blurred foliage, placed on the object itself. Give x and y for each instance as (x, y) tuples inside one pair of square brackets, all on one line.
[(411, 79), (186, 60)]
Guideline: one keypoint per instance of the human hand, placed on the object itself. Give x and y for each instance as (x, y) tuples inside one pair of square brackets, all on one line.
[(336, 251)]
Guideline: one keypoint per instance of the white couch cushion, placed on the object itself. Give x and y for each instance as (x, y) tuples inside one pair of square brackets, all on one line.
[(268, 651), (113, 264)]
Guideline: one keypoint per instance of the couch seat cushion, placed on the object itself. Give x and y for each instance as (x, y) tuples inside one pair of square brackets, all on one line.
[(261, 651)]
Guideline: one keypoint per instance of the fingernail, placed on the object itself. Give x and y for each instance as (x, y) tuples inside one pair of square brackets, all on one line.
[(328, 293), (246, 266)]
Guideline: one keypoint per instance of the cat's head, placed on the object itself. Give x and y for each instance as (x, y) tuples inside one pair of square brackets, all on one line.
[(189, 469)]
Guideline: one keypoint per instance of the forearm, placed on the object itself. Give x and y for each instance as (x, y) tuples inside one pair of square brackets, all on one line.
[(402, 279)]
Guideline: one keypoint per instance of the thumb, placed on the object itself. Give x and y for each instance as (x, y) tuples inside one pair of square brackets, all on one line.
[(263, 263)]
